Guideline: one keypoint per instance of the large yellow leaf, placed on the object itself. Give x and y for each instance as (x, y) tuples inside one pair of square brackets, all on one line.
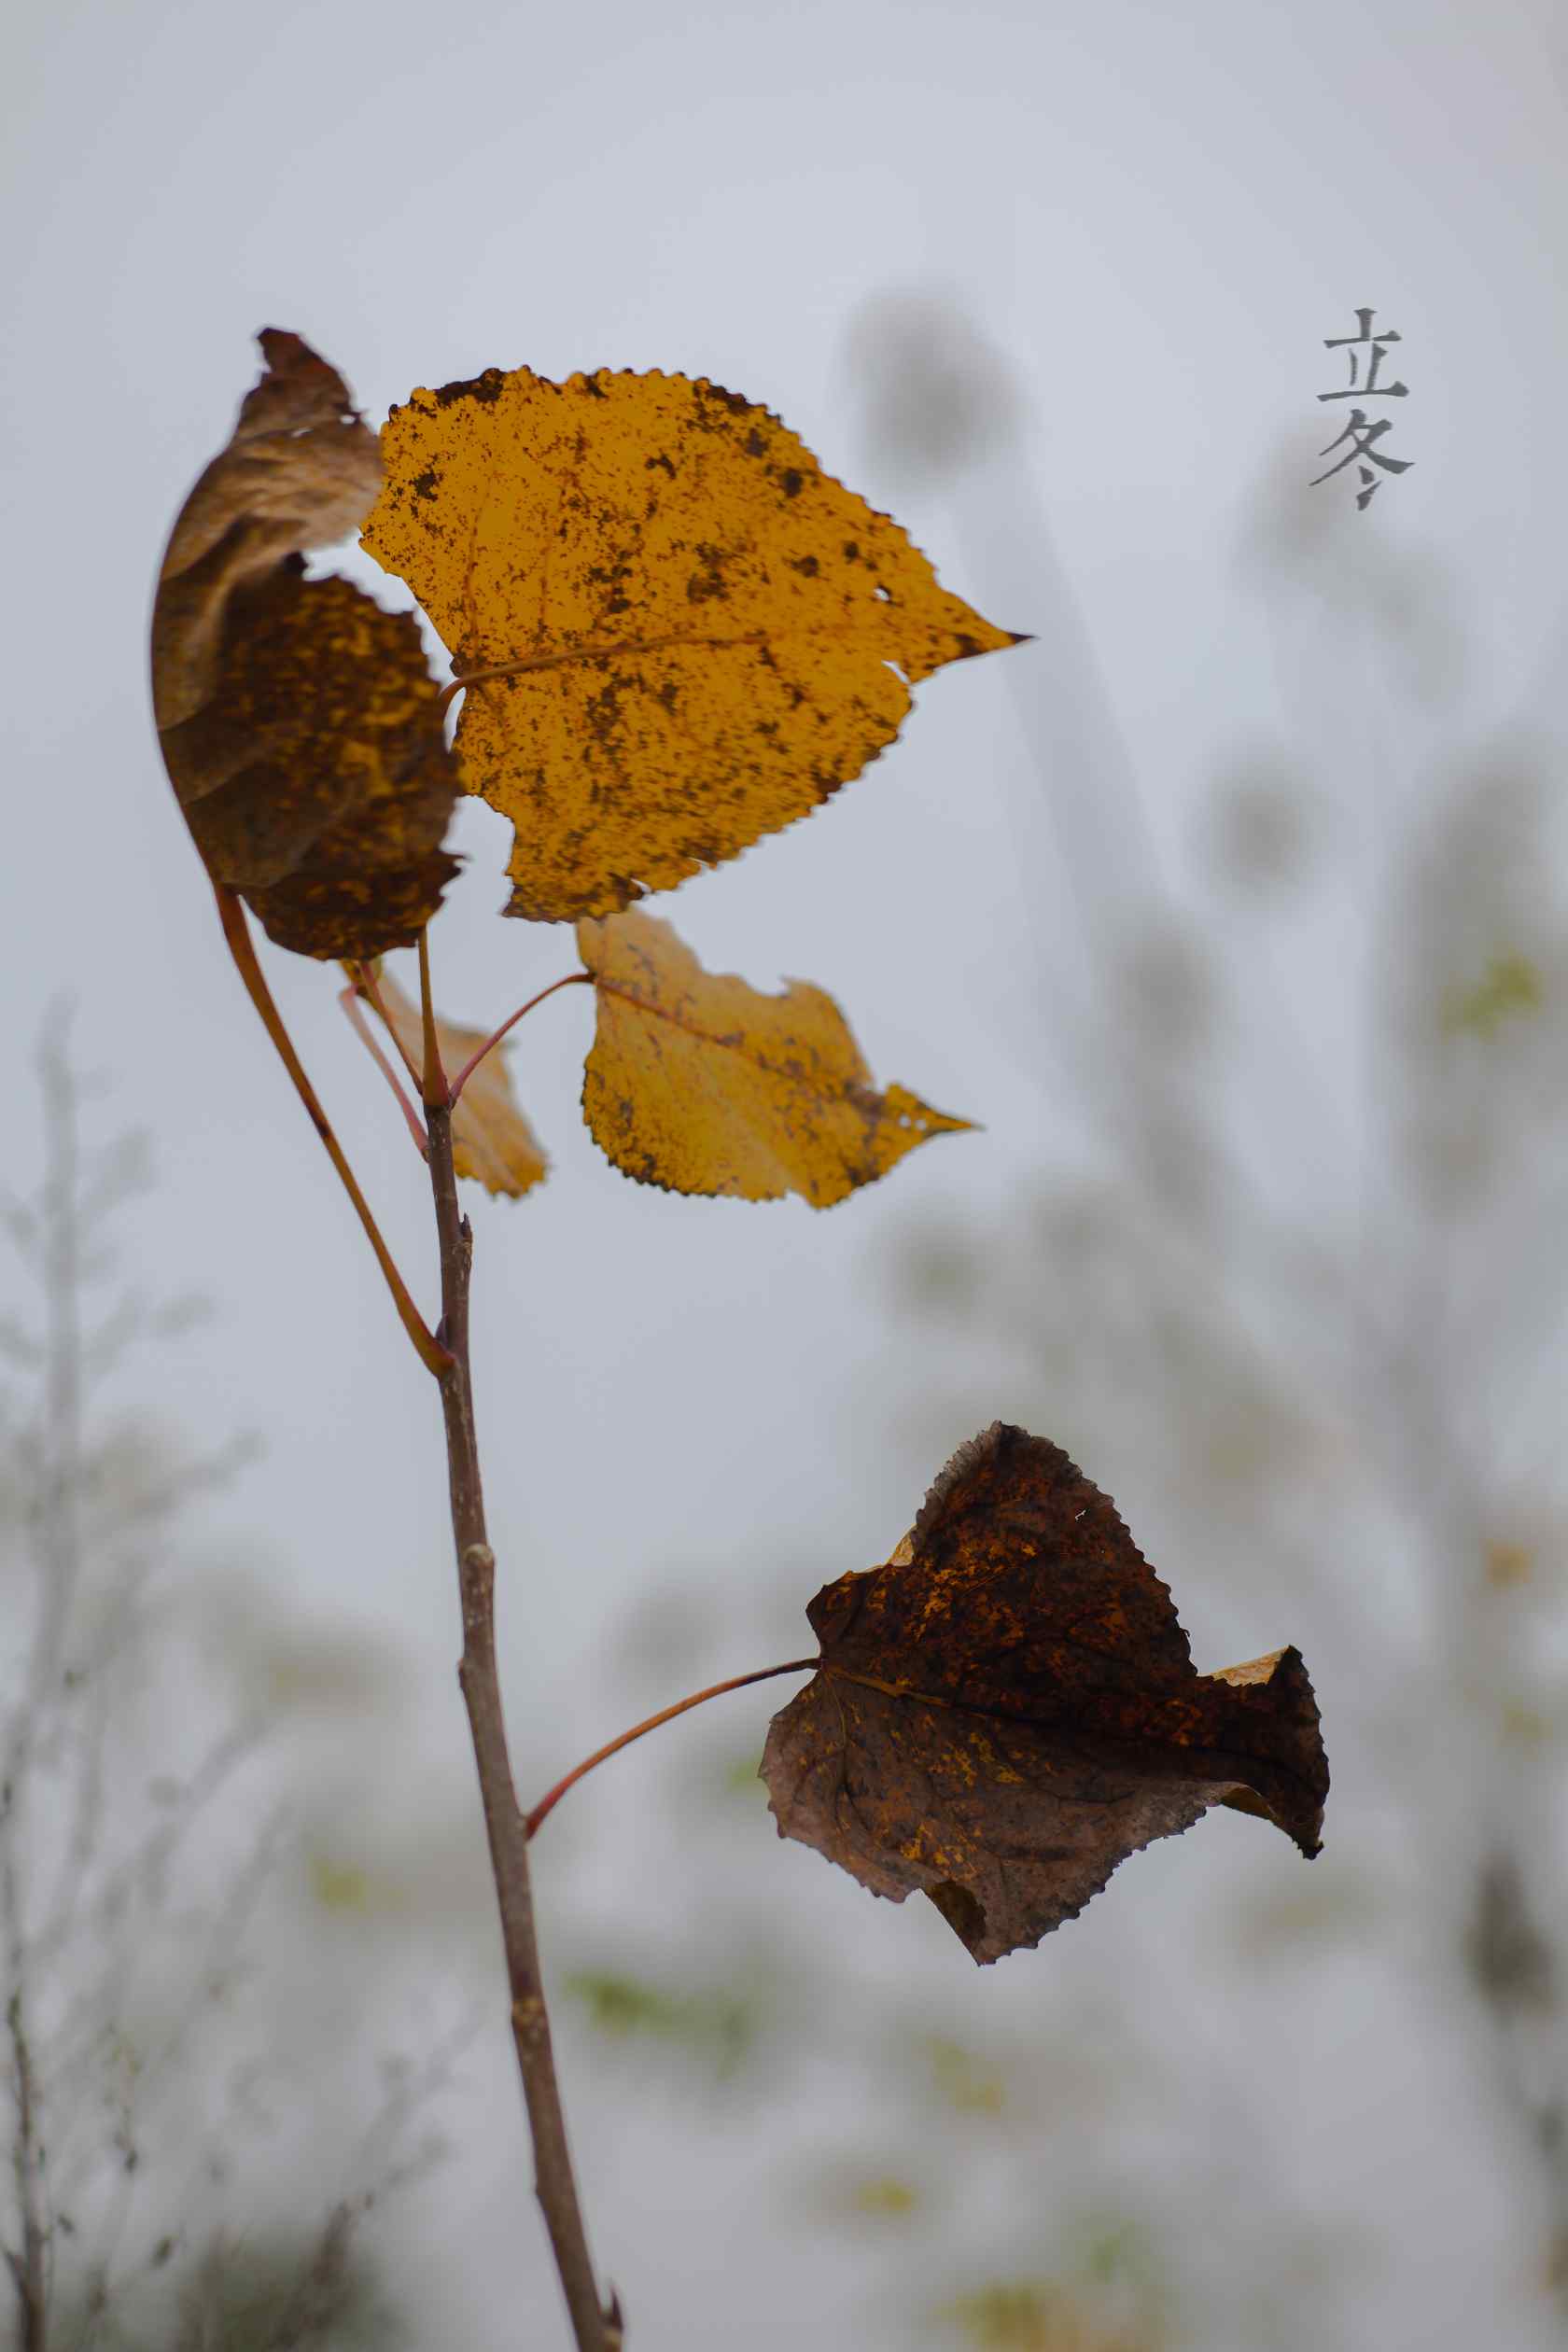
[(491, 1139), (702, 1084), (707, 624)]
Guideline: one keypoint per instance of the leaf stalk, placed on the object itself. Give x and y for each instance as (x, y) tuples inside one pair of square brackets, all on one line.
[(548, 1802), (236, 930), (568, 980), (349, 999)]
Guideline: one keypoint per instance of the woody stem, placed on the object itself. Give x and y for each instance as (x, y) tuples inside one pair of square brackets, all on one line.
[(596, 2325)]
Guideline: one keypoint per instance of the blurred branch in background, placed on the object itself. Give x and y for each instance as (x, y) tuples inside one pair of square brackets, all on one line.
[(135, 1854)]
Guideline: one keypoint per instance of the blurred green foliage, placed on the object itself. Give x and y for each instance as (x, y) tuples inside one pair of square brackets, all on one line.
[(1038, 2316), (1511, 985), (719, 2026), (338, 1887), (962, 2080), (885, 2200)]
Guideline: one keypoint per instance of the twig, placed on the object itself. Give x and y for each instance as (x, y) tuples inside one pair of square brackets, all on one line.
[(597, 2328), (236, 930), (29, 2269), (552, 1798), (432, 1077), (141, 1868), (57, 1546)]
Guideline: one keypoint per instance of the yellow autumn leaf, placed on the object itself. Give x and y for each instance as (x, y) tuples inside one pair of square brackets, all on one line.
[(682, 634), (491, 1139), (702, 1084)]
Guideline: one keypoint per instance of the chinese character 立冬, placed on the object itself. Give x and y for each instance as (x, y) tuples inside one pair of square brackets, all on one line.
[(1358, 432)]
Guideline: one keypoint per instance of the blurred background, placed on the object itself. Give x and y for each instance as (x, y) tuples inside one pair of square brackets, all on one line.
[(1232, 907)]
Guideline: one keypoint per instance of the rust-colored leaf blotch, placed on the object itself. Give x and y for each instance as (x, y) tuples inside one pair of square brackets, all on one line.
[(299, 723), (1008, 1709), (492, 1140), (693, 635), (702, 1085)]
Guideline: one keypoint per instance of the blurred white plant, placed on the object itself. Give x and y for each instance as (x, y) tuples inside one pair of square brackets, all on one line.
[(140, 1831)]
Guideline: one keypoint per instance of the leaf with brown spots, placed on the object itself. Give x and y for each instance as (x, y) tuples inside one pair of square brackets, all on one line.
[(1008, 1709), (702, 1084), (299, 723), (680, 633), (492, 1141)]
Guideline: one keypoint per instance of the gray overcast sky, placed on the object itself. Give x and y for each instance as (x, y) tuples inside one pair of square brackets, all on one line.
[(1157, 215)]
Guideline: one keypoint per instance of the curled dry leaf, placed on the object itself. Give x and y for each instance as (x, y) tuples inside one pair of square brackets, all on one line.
[(702, 1084), (1008, 1709), (705, 634), (491, 1140), (297, 721)]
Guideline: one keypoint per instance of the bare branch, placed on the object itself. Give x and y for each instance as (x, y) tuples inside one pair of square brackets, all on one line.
[(29, 2267), (594, 2328)]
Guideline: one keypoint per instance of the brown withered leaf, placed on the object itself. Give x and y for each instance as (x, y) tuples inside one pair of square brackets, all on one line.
[(703, 634), (491, 1140), (299, 723), (299, 471), (702, 1084), (1008, 1709)]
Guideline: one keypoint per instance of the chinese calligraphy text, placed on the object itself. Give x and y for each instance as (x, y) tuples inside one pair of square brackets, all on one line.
[(1359, 431)]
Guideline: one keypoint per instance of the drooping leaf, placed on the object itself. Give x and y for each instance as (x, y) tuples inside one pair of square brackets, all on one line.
[(707, 623), (1008, 1709), (299, 723), (317, 781), (300, 469), (702, 1084), (491, 1140)]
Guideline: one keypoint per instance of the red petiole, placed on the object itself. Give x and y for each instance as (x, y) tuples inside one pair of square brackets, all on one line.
[(548, 1802), (569, 980), (349, 999)]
